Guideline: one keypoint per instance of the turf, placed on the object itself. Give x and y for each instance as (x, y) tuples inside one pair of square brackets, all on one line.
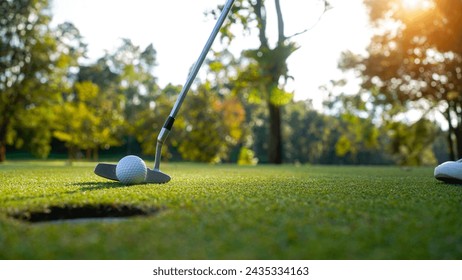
[(232, 212)]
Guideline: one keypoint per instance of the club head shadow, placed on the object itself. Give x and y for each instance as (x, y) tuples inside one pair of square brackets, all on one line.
[(108, 171)]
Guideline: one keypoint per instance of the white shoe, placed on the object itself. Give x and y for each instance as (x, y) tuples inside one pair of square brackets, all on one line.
[(449, 172)]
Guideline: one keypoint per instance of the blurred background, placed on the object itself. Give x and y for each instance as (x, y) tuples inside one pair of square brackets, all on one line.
[(319, 82)]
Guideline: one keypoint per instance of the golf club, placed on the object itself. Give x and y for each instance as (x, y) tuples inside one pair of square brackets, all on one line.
[(154, 175)]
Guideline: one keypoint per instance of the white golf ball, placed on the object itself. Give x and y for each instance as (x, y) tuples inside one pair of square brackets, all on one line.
[(131, 170)]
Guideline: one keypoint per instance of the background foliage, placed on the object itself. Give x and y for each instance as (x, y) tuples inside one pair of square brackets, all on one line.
[(240, 111)]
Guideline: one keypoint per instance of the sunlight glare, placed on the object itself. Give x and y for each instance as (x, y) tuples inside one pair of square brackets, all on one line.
[(416, 4), (410, 4)]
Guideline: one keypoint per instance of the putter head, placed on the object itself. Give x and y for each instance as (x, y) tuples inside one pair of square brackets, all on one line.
[(154, 176), (108, 171)]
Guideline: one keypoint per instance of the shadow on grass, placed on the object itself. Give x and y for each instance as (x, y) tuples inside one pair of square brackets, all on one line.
[(92, 186), (84, 187)]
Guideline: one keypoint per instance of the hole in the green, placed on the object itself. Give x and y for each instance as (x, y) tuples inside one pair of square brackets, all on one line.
[(85, 212)]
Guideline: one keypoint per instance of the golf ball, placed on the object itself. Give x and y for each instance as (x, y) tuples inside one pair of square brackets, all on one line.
[(131, 170)]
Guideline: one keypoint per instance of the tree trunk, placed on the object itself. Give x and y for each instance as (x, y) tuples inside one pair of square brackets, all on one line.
[(275, 137), (452, 155), (2, 153), (458, 128), (458, 133), (3, 129), (451, 133), (95, 154), (274, 64)]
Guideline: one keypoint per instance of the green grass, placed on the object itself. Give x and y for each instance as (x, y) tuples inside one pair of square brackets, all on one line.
[(231, 212)]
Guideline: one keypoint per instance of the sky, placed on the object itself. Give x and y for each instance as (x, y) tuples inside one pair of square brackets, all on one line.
[(178, 30)]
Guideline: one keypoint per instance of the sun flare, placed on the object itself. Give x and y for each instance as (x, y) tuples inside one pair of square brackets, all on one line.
[(411, 4), (416, 4)]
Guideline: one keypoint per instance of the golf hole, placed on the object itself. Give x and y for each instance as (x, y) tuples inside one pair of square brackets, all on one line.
[(84, 213)]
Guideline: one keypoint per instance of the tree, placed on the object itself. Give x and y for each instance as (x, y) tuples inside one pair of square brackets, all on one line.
[(151, 119), (126, 88), (308, 133), (414, 62), (34, 60), (134, 67), (107, 106), (212, 119), (88, 120), (411, 144), (210, 126), (361, 132), (77, 125), (266, 73)]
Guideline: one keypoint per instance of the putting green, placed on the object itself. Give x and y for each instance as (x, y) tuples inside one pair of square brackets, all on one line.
[(230, 212)]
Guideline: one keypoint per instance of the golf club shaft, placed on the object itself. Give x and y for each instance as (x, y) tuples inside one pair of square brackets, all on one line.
[(192, 75)]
